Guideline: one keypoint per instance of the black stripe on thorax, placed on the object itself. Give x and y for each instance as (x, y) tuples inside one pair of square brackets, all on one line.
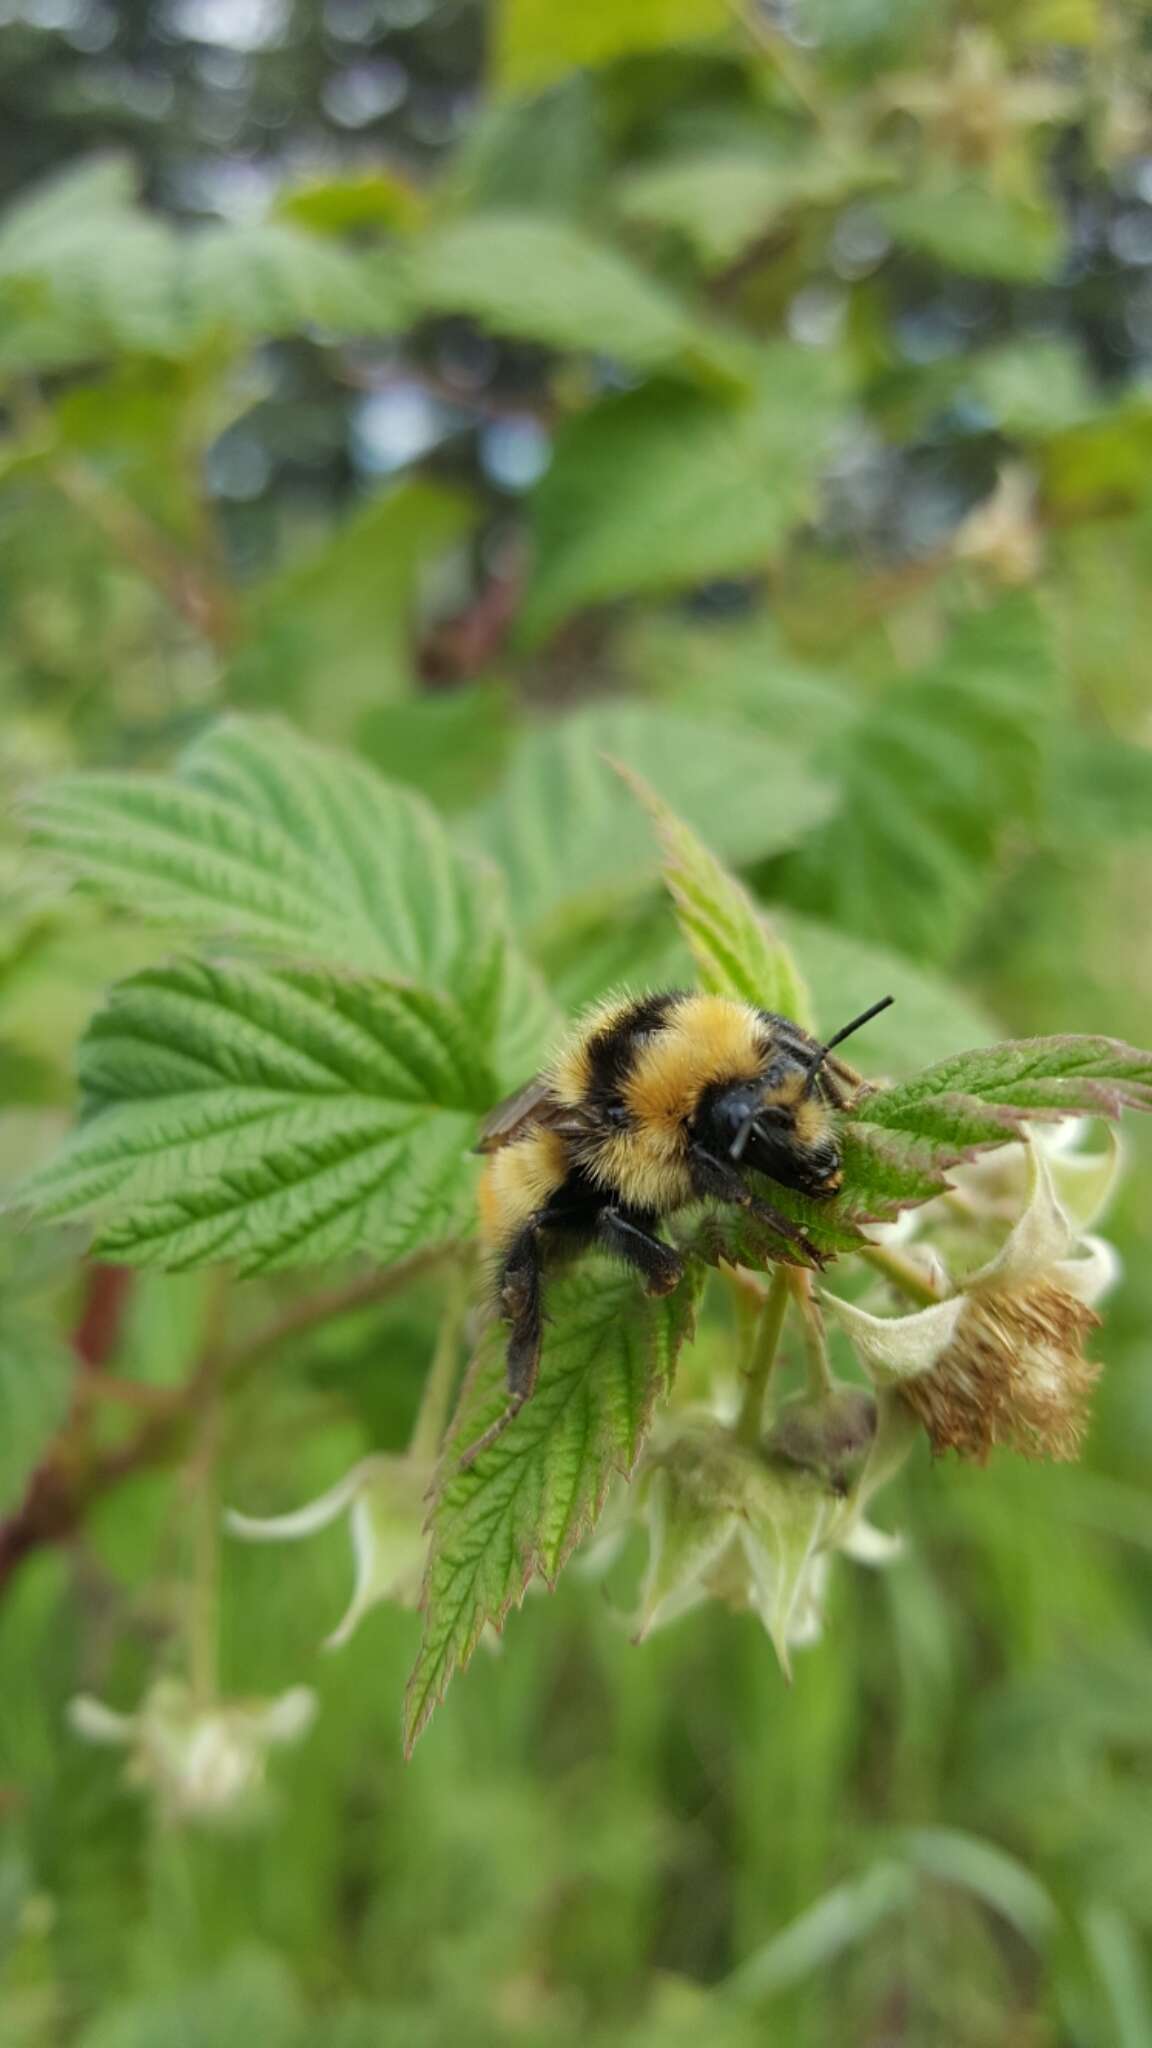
[(612, 1050)]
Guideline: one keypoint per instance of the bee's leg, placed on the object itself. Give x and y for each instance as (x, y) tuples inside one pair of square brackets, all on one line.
[(519, 1302), (626, 1234), (719, 1181)]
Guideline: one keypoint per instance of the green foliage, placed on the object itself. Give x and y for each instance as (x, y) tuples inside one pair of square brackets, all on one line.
[(523, 1506), (270, 1118), (723, 203), (663, 488), (572, 841), (928, 776), (735, 949), (536, 43), (264, 841), (520, 274), (969, 228), (712, 325)]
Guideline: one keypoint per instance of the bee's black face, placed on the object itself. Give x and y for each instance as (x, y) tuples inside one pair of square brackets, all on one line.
[(736, 1123)]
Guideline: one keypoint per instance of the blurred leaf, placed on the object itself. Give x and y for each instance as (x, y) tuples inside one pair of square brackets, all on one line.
[(532, 1495), (571, 840), (1031, 388), (271, 1119), (100, 275), (1100, 466), (929, 1020), (662, 488), (746, 672), (724, 202), (973, 229), (522, 274), (1118, 1960), (1003, 1883), (535, 41), (265, 840), (1101, 786), (36, 1371), (357, 199), (931, 778), (846, 1914), (548, 153), (251, 1999), (269, 277), (358, 592), (451, 745), (736, 951)]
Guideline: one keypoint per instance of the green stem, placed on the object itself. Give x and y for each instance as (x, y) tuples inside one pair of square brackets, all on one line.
[(440, 1385), (818, 1369), (762, 1357), (901, 1272)]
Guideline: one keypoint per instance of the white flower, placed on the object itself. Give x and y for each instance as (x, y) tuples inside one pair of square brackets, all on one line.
[(385, 1498), (204, 1762), (1001, 1361)]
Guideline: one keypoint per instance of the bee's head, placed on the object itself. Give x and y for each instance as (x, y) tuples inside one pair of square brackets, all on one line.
[(779, 1124), (775, 1125)]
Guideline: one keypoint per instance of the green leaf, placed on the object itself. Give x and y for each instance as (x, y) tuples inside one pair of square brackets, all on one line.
[(898, 1142), (36, 1372), (572, 841), (723, 201), (736, 951), (522, 274), (251, 1997), (932, 778), (358, 591), (270, 1118), (263, 840), (270, 277), (527, 1501), (929, 1019), (970, 228), (537, 41), (85, 272), (1032, 389), (663, 488)]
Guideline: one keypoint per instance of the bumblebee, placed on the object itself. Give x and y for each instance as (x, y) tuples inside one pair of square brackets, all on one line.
[(656, 1102)]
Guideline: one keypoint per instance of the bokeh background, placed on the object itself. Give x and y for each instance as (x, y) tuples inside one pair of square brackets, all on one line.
[(760, 393)]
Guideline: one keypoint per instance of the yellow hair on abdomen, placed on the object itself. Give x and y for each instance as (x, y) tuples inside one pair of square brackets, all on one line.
[(570, 1073), (707, 1039), (517, 1181)]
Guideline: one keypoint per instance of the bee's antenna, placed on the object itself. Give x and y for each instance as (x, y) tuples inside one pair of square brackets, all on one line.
[(823, 1051)]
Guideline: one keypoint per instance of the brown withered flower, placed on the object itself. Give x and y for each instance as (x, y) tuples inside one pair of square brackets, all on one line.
[(1002, 1360)]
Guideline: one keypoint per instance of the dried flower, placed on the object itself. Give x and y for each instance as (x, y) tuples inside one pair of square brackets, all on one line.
[(385, 1498), (1002, 1360), (204, 1762), (1002, 535)]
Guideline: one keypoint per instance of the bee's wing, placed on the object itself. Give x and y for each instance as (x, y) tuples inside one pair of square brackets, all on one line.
[(532, 1107)]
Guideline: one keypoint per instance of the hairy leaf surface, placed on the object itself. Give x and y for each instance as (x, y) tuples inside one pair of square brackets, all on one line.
[(265, 840), (527, 1501), (270, 1117)]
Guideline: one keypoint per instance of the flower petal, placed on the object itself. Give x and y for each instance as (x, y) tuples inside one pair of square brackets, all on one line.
[(1091, 1277), (895, 1348), (1041, 1236), (315, 1514), (90, 1718)]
